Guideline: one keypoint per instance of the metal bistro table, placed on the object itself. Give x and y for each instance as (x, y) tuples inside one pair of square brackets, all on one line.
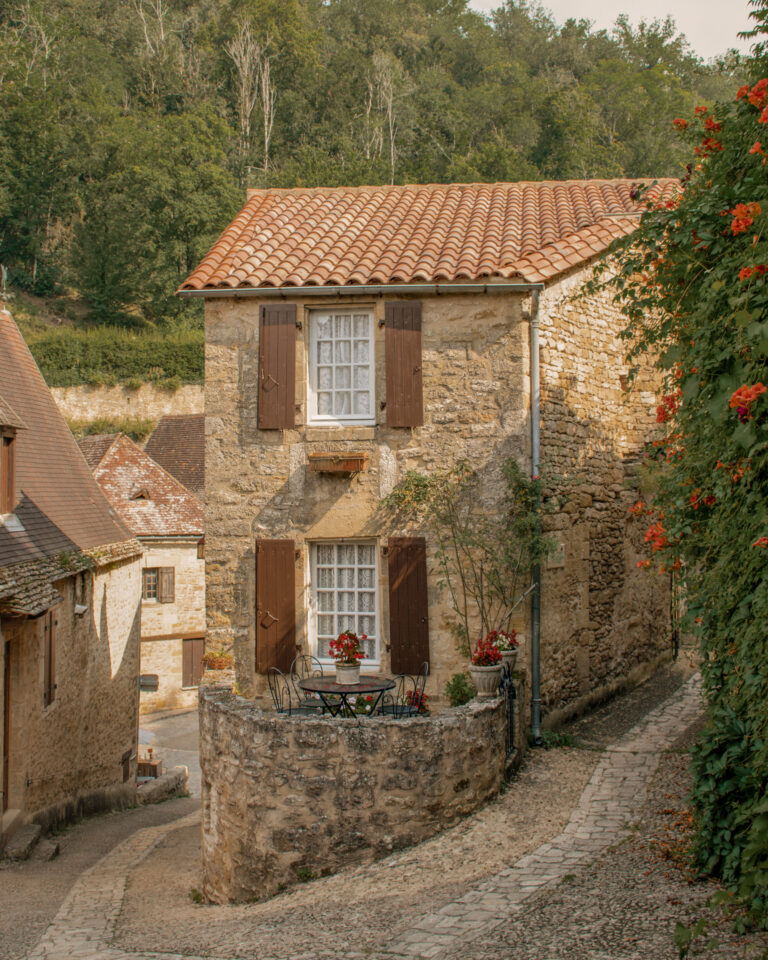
[(335, 696)]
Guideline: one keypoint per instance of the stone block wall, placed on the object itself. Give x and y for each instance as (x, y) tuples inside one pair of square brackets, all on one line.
[(602, 617), (163, 625), (286, 798), (148, 402), (67, 758)]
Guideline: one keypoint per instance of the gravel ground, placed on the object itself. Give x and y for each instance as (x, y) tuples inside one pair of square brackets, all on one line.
[(625, 904), (357, 909), (32, 892)]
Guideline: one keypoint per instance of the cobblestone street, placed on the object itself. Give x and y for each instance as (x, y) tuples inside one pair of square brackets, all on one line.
[(572, 862)]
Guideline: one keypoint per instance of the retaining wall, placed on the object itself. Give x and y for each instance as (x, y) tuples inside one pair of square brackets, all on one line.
[(287, 798), (148, 402)]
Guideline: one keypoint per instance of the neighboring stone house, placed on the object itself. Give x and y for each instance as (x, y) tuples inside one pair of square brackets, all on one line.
[(353, 334), (70, 576), (168, 521), (178, 444)]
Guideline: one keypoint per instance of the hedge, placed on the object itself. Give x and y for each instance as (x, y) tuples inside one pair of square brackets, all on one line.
[(110, 355)]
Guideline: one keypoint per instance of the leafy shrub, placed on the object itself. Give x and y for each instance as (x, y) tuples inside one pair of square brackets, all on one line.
[(68, 357), (459, 689), (134, 427)]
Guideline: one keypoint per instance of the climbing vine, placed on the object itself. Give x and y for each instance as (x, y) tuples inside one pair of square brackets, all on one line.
[(692, 283)]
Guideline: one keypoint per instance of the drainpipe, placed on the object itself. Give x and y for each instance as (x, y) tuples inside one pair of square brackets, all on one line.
[(535, 468)]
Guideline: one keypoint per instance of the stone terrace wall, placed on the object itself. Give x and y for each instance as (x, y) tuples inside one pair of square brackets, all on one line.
[(148, 402), (286, 797)]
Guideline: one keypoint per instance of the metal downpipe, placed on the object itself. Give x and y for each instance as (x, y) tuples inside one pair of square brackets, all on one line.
[(535, 469)]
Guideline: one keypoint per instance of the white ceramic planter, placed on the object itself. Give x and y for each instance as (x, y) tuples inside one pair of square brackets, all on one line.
[(486, 679), (347, 673)]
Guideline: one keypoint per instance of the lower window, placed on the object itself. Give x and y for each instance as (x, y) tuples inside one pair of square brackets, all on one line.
[(149, 583), (344, 595)]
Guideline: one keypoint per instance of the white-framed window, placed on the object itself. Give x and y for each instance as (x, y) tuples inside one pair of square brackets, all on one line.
[(341, 371), (344, 595)]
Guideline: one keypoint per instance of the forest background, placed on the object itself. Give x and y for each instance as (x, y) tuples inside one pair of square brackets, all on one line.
[(129, 130)]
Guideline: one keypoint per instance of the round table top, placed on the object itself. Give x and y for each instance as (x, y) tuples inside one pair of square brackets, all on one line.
[(329, 685)]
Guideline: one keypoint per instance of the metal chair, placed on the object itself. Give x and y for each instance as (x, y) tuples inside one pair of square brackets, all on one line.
[(281, 694), (406, 699), (302, 667)]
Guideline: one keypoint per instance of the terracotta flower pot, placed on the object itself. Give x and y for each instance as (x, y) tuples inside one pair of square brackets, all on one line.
[(486, 679), (347, 673)]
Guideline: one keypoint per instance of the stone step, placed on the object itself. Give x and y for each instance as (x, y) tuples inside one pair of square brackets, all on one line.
[(46, 850), (23, 841)]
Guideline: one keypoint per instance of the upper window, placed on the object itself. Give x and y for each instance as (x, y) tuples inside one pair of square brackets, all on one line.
[(344, 591), (341, 366), (7, 491), (150, 577)]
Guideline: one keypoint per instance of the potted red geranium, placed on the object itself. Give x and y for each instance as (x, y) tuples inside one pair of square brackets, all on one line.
[(346, 651), (485, 668)]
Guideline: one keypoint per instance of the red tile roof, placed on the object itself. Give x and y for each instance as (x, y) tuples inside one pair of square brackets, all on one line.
[(178, 445), (419, 234), (150, 501), (60, 507)]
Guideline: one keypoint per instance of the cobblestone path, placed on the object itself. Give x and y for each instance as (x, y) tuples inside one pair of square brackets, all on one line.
[(84, 926)]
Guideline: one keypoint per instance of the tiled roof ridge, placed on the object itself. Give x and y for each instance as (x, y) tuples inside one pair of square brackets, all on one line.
[(474, 184), (91, 439)]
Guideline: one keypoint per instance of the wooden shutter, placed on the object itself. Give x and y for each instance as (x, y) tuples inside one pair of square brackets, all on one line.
[(166, 584), (277, 366), (275, 604), (7, 493), (405, 405), (408, 607), (49, 659), (191, 661)]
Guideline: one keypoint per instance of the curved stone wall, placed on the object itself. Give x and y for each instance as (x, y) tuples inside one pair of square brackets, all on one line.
[(287, 798)]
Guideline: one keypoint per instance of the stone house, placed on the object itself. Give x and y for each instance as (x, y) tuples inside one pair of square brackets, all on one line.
[(178, 444), (167, 519), (353, 334), (70, 574)]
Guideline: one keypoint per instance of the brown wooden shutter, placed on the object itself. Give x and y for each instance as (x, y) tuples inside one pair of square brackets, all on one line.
[(192, 661), (277, 366), (275, 604), (49, 659), (7, 493), (405, 405), (166, 584), (408, 607)]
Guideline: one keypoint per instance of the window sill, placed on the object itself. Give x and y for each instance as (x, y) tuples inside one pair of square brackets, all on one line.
[(320, 434)]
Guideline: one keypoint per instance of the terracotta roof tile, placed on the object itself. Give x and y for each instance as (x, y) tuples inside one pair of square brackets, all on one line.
[(370, 235), (148, 499), (59, 506), (178, 444)]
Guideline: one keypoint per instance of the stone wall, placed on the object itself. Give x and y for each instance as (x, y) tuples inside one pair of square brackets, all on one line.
[(149, 402), (67, 758), (163, 625), (258, 483), (287, 798), (601, 616)]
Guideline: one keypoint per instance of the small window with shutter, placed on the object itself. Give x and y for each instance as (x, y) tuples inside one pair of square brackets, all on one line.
[(166, 584)]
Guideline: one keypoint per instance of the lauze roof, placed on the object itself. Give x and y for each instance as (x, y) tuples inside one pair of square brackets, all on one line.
[(420, 234), (178, 445)]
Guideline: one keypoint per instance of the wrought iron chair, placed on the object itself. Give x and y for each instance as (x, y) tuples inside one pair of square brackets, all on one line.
[(306, 666), (281, 694), (407, 695)]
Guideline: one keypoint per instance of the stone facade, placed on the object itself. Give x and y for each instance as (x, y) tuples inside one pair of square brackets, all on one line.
[(164, 626), (77, 754), (601, 616), (287, 798), (114, 403)]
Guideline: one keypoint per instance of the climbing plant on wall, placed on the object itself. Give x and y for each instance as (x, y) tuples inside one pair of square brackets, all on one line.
[(692, 282)]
